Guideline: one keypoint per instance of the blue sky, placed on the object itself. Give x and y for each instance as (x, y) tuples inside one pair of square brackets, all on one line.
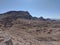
[(45, 8)]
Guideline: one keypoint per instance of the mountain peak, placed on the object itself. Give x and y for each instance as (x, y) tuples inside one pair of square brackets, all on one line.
[(18, 14)]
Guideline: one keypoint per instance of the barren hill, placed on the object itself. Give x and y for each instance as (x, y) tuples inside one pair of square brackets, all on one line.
[(24, 30)]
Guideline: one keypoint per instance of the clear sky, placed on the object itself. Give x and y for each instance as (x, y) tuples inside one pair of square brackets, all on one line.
[(45, 8)]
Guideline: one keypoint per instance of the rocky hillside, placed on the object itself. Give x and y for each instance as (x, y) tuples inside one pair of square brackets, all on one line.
[(19, 14), (7, 18), (16, 14), (27, 30)]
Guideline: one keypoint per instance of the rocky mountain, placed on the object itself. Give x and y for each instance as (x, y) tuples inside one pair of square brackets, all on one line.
[(7, 18), (20, 28), (19, 14)]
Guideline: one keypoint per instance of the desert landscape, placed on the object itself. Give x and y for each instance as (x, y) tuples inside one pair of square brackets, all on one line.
[(20, 28)]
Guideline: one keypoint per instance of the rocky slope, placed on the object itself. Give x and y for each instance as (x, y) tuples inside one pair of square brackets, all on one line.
[(27, 31), (5, 39), (16, 14)]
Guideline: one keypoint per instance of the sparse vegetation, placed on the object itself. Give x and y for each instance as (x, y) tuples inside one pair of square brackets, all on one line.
[(27, 30)]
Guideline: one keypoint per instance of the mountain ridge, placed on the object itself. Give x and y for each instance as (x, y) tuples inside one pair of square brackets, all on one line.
[(24, 29), (21, 14)]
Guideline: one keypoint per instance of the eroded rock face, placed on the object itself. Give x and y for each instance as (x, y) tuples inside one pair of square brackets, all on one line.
[(5, 39)]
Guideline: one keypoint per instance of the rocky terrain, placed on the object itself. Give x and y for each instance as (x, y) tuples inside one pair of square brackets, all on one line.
[(20, 28)]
